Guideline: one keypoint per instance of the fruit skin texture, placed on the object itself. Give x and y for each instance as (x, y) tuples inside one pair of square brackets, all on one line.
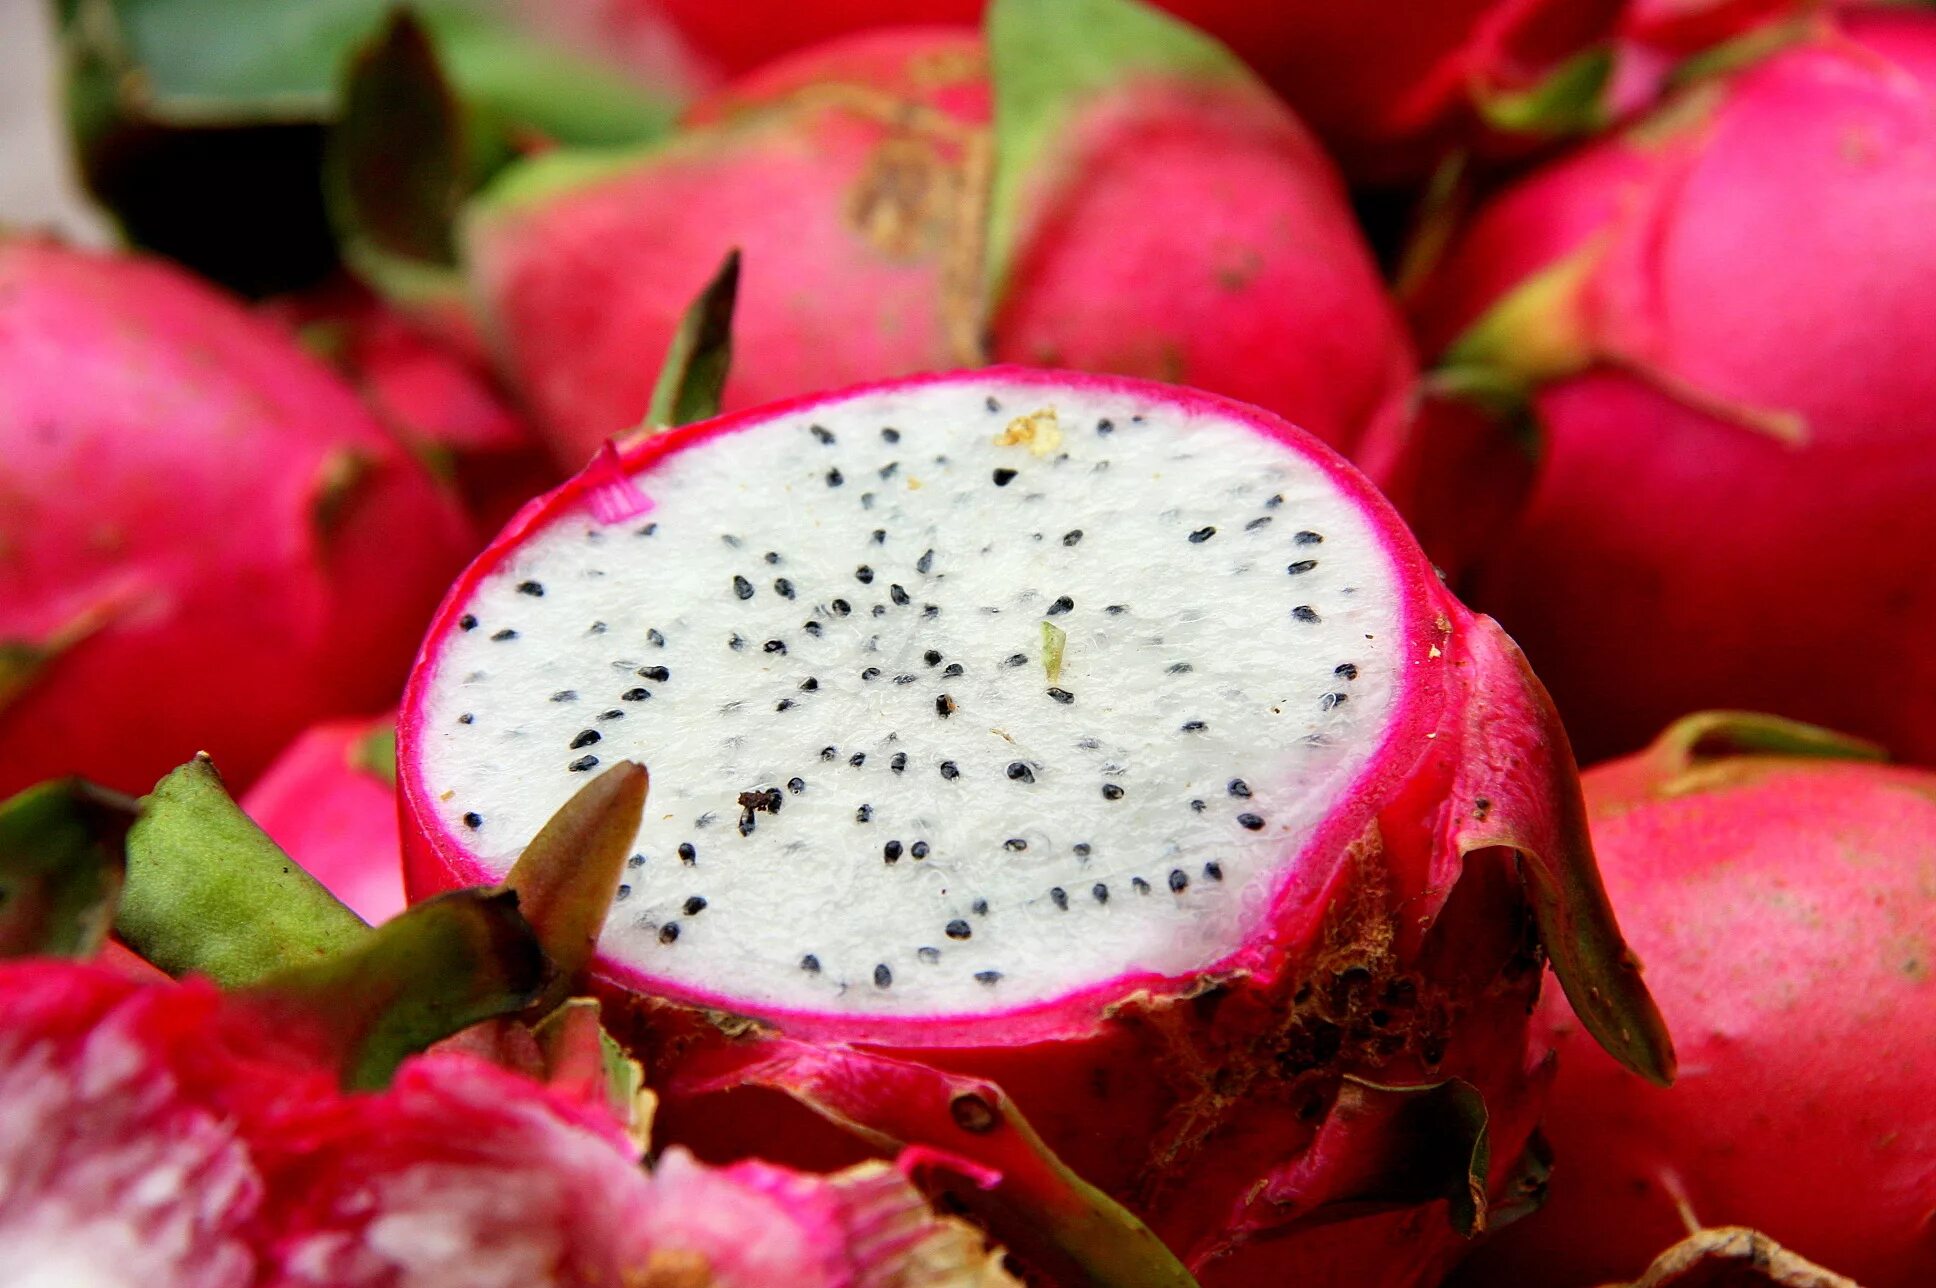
[(331, 804), (1735, 425), (1782, 906), (206, 541), (1185, 230), (168, 1135), (1402, 953)]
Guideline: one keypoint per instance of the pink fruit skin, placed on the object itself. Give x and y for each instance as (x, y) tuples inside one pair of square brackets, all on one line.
[(1783, 907), (1768, 253), (333, 813), (1123, 1091), (162, 1134), (1197, 236), (208, 533), (1387, 86)]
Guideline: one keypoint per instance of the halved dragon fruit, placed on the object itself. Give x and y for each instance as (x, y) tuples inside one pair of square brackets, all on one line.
[(1035, 744)]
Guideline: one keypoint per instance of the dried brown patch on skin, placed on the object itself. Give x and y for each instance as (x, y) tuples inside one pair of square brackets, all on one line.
[(673, 1268)]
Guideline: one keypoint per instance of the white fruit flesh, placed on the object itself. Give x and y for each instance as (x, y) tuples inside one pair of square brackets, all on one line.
[(938, 825)]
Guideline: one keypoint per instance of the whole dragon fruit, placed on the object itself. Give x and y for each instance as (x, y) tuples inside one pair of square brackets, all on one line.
[(1782, 901), (1103, 189), (1082, 781), (1716, 321), (330, 801), (206, 541), (168, 1135)]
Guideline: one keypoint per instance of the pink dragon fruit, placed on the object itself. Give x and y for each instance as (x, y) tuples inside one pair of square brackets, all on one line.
[(330, 801), (206, 542), (1386, 86), (432, 393), (862, 181), (1782, 901), (165, 1135), (1733, 406), (1026, 743)]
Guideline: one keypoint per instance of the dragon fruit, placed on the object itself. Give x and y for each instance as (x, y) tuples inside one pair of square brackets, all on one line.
[(862, 181), (203, 532), (1734, 425), (1783, 902), (330, 801), (1036, 748), (168, 1135)]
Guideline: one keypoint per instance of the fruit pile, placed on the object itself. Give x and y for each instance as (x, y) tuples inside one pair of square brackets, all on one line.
[(963, 561)]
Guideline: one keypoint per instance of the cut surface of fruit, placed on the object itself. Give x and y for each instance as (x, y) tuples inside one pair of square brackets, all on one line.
[(959, 695)]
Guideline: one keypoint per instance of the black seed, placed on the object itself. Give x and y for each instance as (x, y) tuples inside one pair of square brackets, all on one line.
[(1111, 792), (635, 695), (809, 685), (880, 536), (742, 587), (468, 718), (1139, 885), (585, 739), (694, 904), (781, 587), (929, 955), (990, 403), (1082, 849), (565, 695), (864, 575), (1072, 536), (932, 657), (988, 976), (898, 595), (1062, 695), (1255, 524), (1178, 881), (622, 893), (1015, 845), (829, 753), (1061, 605), (834, 478), (1274, 502), (1302, 565), (871, 673), (1105, 426), (1060, 896), (687, 854), (531, 588), (1250, 822), (866, 500), (841, 607), (883, 976), (919, 849), (858, 759), (747, 822), (1239, 788), (898, 762), (1345, 670), (611, 715), (467, 622), (1202, 535), (473, 821), (636, 861), (1213, 870), (1194, 726), (810, 964), (655, 638), (944, 706), (1331, 700), (959, 929), (1003, 477), (1305, 613), (949, 771), (648, 529), (979, 907), (1116, 610), (669, 932), (1308, 539), (583, 763), (891, 851), (772, 556), (925, 563), (1019, 772), (506, 634), (880, 610), (1015, 659), (812, 628), (775, 646), (865, 814), (904, 679), (658, 673), (930, 610), (891, 435), (820, 432), (1180, 668), (784, 704), (796, 785)]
